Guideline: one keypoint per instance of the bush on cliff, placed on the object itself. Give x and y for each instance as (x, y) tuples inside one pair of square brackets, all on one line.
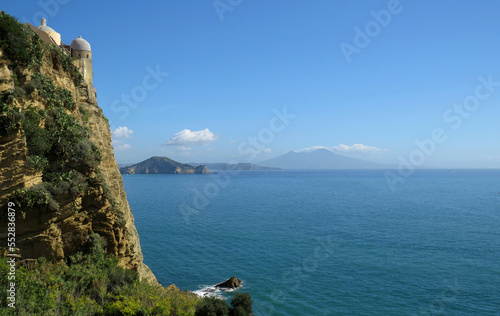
[(61, 149), (9, 117), (212, 306), (241, 305), (20, 44), (88, 284)]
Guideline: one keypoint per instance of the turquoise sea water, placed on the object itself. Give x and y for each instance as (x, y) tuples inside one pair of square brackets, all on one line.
[(328, 242)]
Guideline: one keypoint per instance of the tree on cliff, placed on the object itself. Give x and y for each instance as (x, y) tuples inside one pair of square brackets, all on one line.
[(212, 306), (241, 305)]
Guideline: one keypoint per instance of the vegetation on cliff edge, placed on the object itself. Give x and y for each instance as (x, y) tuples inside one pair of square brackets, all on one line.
[(58, 144), (89, 284), (241, 305), (20, 44)]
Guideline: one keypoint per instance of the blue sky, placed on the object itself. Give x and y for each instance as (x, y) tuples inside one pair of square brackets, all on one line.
[(232, 65)]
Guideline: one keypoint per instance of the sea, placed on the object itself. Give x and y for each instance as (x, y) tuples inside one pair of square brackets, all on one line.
[(335, 242)]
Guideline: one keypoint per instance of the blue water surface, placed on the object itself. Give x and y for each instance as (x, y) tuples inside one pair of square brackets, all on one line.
[(328, 242)]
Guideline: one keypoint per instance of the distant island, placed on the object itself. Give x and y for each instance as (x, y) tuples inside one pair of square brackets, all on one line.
[(163, 165), (235, 166)]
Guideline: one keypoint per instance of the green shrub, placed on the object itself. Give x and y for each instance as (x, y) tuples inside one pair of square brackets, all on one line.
[(84, 113), (32, 197), (94, 245), (38, 139), (241, 305), (102, 183), (9, 96), (239, 311), (9, 122), (34, 84), (212, 306), (10, 117), (37, 162), (62, 183), (36, 297), (4, 107), (120, 277), (85, 153), (63, 144), (126, 306), (20, 92), (55, 96), (65, 128), (20, 44)]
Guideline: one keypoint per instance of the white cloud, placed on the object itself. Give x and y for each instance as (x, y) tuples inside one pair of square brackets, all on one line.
[(356, 148), (263, 151), (120, 146), (187, 136), (313, 148), (122, 132)]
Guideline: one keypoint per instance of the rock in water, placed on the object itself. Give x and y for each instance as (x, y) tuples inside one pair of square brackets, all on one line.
[(232, 283), (202, 169)]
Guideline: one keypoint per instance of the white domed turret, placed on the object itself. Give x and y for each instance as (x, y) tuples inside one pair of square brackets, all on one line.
[(82, 58), (56, 37), (80, 48)]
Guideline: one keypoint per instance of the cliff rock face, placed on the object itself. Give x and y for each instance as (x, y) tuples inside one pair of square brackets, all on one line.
[(61, 227)]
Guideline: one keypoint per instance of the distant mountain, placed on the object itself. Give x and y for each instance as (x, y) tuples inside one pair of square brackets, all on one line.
[(320, 159), (163, 165), (237, 166)]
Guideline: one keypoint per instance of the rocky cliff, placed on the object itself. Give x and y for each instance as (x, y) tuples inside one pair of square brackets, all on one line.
[(56, 160)]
